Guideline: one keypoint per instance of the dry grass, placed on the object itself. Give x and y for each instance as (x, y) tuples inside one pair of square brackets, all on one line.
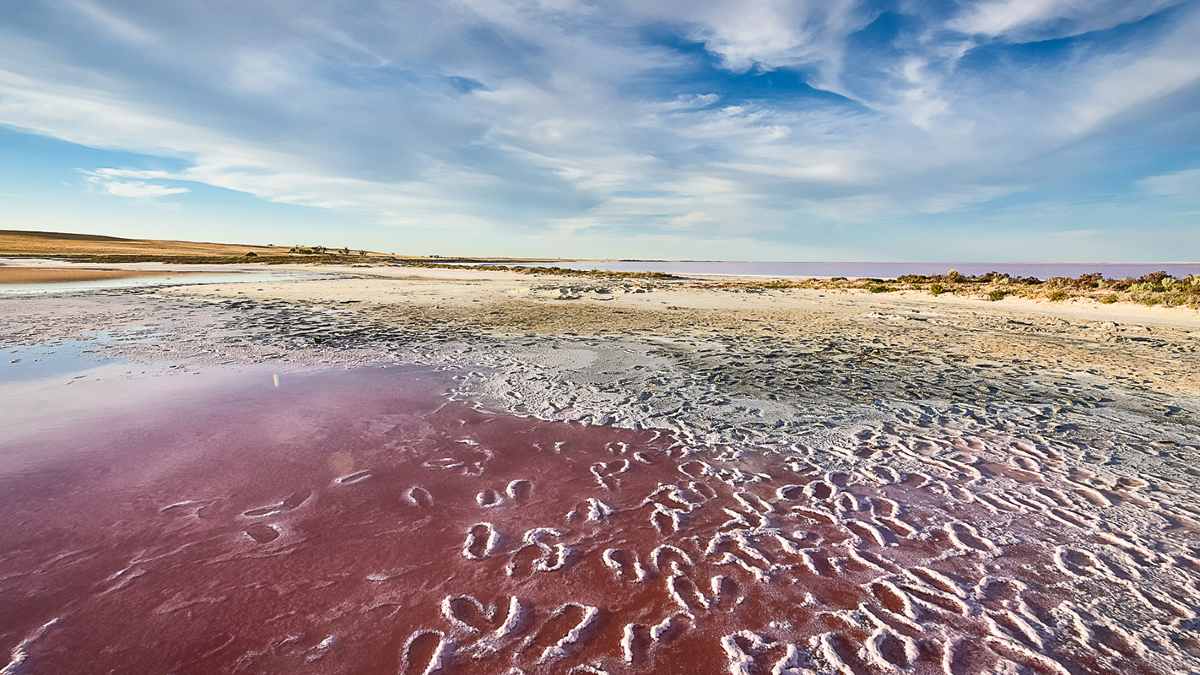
[(55, 244), (101, 249)]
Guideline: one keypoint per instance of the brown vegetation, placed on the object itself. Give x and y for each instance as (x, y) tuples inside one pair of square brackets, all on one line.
[(102, 249), (1157, 288), (59, 244)]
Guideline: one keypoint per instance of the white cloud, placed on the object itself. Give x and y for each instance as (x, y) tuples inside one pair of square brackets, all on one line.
[(1044, 19), (547, 117), (770, 33), (110, 181)]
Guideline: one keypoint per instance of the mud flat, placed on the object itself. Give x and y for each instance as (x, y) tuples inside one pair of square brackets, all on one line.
[(435, 472)]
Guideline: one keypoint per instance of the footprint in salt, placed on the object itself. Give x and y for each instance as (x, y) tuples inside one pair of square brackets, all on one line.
[(686, 594), (488, 498), (749, 653), (426, 652), (563, 632), (591, 510), (967, 538), (625, 564), (606, 473), (890, 651), (838, 652), (483, 539), (488, 624), (519, 490), (418, 496), (262, 533)]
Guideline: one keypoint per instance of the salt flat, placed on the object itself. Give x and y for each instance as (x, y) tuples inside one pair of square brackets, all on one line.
[(604, 476)]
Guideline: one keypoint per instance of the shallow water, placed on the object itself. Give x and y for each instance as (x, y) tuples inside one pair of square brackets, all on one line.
[(192, 274), (359, 521), (32, 362)]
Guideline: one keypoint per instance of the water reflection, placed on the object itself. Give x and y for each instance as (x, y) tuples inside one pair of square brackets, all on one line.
[(34, 362), (174, 276), (358, 521)]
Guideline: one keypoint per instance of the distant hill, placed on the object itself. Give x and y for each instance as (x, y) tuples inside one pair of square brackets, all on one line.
[(34, 243)]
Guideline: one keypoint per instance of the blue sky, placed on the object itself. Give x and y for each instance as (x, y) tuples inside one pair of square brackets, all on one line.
[(832, 129)]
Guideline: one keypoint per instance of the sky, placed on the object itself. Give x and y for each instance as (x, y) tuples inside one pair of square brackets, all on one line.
[(947, 130)]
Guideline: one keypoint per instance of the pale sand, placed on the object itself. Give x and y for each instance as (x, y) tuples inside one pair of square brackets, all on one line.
[(1152, 346)]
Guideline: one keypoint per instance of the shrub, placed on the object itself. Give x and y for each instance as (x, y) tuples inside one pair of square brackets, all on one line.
[(997, 295), (879, 288), (953, 275), (1154, 278), (251, 254), (1058, 295), (937, 289), (1110, 298)]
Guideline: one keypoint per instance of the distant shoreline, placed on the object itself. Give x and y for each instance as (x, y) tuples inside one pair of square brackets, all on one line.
[(55, 275), (868, 270)]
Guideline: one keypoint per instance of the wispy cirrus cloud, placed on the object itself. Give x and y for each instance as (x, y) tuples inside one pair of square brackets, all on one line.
[(128, 183), (1023, 20), (765, 121)]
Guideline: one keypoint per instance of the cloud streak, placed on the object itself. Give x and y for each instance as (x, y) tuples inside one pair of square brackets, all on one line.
[(614, 119), (114, 182)]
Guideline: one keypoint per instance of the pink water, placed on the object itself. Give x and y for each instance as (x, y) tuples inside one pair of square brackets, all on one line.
[(356, 521)]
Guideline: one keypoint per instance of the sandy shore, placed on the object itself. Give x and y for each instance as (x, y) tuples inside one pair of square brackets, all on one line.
[(1155, 346), (55, 275)]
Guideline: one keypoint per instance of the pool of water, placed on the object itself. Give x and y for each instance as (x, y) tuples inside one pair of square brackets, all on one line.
[(175, 276), (365, 521), (34, 362)]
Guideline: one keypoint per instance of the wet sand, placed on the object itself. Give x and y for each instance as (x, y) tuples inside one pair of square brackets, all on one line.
[(576, 477), (47, 275)]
